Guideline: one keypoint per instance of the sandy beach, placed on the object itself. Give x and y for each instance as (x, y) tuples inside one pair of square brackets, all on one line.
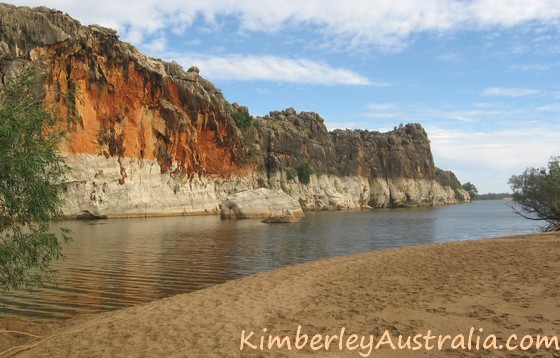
[(477, 293)]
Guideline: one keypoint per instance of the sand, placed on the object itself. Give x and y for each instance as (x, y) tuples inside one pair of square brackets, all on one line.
[(503, 286)]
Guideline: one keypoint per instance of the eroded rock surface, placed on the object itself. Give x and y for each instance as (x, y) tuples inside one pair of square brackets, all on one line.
[(259, 203)]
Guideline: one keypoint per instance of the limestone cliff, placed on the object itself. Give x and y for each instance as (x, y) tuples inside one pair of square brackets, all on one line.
[(353, 168), (147, 138)]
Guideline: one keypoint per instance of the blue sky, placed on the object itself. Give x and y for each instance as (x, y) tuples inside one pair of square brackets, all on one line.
[(481, 76)]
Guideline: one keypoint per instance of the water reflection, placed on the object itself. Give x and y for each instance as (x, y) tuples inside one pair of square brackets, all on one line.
[(117, 263)]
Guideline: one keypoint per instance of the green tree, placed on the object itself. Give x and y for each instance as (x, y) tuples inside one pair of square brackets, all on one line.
[(31, 172), (471, 189), (304, 172), (537, 191), (291, 173), (242, 119)]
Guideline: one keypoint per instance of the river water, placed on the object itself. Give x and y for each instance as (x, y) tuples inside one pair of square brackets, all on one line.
[(112, 264)]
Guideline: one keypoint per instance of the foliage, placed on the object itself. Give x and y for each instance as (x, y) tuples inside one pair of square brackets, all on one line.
[(31, 172), (242, 119), (252, 150), (471, 189), (493, 196), (537, 190), (285, 189), (271, 123), (459, 196), (291, 173), (447, 178), (304, 171)]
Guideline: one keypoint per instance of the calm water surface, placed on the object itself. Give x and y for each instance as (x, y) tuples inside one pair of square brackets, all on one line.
[(117, 263)]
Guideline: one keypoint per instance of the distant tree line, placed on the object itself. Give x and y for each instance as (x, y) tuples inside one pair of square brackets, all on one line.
[(473, 192), (494, 196)]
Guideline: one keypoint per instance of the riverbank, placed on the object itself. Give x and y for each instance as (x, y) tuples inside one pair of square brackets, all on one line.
[(503, 286)]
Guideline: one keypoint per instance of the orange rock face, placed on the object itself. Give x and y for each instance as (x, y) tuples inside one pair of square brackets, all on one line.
[(116, 102)]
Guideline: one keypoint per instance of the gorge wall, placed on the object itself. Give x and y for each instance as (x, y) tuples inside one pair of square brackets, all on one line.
[(148, 138)]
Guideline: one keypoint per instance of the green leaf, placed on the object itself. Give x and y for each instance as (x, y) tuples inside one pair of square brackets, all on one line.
[(31, 189)]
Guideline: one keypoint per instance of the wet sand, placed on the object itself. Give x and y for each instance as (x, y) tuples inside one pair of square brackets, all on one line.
[(501, 286)]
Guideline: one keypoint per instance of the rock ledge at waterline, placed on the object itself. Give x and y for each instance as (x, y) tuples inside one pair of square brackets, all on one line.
[(259, 204)]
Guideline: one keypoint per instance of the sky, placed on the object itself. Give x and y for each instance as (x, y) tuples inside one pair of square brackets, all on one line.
[(481, 76)]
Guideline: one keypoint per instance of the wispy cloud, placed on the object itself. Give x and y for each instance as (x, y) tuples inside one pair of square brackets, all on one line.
[(381, 106), (386, 24), (271, 68), (383, 115), (555, 107), (498, 154), (555, 94), (509, 92), (382, 111), (535, 67), (450, 57), (475, 113)]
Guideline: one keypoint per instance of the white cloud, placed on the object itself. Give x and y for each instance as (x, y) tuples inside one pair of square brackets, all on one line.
[(535, 67), (270, 68), (555, 107), (265, 91), (158, 44), (507, 13), (381, 106), (383, 115), (450, 57), (477, 115), (382, 111), (493, 156), (387, 24), (509, 92)]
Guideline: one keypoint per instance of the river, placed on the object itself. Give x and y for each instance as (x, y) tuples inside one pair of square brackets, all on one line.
[(112, 264)]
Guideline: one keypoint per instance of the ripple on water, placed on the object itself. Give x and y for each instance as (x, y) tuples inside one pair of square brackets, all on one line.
[(117, 263)]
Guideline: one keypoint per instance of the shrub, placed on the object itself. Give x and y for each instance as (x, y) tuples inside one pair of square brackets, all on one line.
[(459, 196), (291, 173), (537, 190), (242, 119), (304, 171)]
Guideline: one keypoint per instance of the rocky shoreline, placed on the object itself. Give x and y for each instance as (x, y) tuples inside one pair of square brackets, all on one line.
[(146, 194), (94, 186)]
